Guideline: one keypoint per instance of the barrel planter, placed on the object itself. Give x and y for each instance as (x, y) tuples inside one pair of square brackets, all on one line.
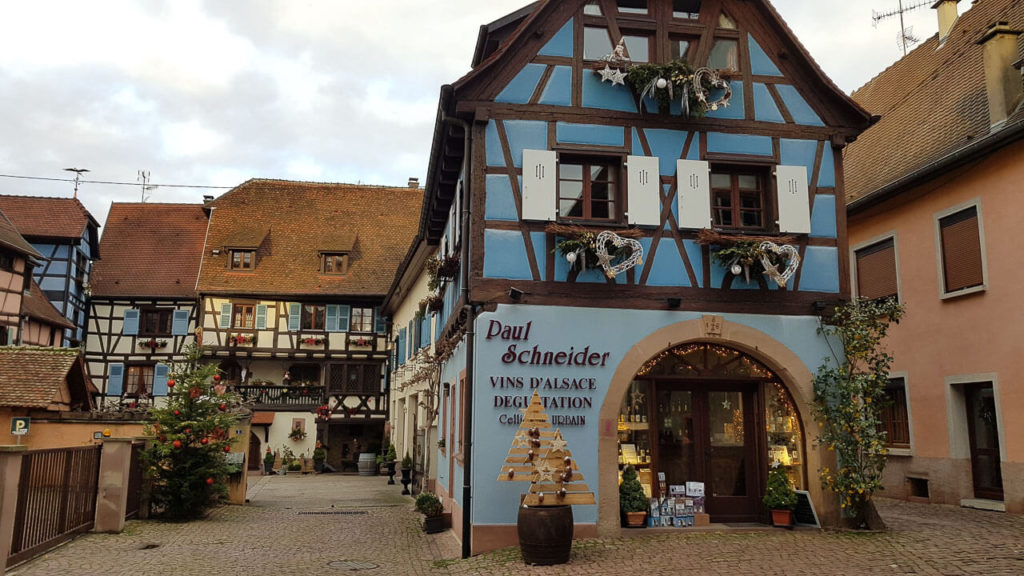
[(367, 464), (545, 534)]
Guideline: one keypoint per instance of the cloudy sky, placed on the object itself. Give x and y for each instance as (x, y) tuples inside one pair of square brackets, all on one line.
[(215, 92)]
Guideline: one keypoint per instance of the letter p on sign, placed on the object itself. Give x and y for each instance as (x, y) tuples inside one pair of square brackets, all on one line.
[(19, 426)]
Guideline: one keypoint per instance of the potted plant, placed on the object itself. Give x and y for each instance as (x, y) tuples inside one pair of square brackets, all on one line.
[(297, 434), (779, 496), (319, 457), (268, 462), (407, 472), (430, 506), (632, 500), (386, 461), (286, 458)]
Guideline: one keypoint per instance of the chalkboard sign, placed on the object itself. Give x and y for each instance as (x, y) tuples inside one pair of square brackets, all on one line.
[(804, 513)]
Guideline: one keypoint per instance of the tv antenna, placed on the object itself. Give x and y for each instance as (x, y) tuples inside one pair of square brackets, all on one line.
[(146, 187), (78, 176), (906, 35)]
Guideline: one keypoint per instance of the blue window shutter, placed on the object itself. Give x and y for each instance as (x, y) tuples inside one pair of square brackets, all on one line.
[(131, 322), (115, 380), (225, 315), (344, 314), (332, 318), (160, 379), (401, 346), (417, 339), (424, 331), (179, 324), (294, 316), (261, 316), (379, 325), (412, 341), (438, 326)]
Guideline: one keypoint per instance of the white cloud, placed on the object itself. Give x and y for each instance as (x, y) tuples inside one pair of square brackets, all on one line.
[(190, 140)]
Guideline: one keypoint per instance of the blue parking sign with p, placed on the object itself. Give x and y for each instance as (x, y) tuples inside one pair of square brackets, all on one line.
[(19, 426)]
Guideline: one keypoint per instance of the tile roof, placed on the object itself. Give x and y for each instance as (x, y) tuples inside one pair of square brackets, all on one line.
[(30, 377), (303, 220), (43, 217), (150, 250), (38, 307), (10, 238), (932, 102)]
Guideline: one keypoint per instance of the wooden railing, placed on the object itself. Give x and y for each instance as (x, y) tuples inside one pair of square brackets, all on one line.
[(56, 499), (282, 396)]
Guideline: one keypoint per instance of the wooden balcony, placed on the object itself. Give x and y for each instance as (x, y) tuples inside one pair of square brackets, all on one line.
[(283, 397)]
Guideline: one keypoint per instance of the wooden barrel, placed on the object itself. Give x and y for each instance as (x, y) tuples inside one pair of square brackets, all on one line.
[(545, 534), (367, 464)]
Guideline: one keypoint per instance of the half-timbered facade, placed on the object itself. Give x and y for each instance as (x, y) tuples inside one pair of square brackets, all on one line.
[(934, 191), (67, 237), (292, 277), (588, 218), (142, 313), (17, 258)]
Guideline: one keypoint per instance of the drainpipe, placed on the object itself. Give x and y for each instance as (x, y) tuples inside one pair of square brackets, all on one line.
[(469, 309)]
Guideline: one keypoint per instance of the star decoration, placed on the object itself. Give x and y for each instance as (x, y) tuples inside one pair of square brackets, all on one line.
[(604, 260), (521, 441), (557, 443), (607, 74), (545, 472), (636, 396), (726, 404), (772, 271), (618, 77)]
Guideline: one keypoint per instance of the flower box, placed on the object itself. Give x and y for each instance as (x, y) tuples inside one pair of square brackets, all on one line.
[(360, 341), (153, 344), (312, 341), (241, 339)]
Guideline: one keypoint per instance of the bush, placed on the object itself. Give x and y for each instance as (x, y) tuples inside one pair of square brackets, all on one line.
[(429, 505), (407, 462), (319, 454), (779, 494), (631, 493), (268, 457)]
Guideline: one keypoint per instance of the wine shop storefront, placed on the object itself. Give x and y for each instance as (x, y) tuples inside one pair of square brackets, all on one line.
[(683, 396)]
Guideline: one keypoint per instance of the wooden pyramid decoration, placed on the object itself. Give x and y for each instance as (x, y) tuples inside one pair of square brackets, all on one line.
[(542, 458)]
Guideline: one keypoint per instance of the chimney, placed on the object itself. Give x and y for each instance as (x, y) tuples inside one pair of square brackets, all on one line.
[(414, 182), (947, 17), (1002, 83)]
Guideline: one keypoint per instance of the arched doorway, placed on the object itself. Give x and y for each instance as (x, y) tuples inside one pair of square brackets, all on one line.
[(714, 417), (255, 451)]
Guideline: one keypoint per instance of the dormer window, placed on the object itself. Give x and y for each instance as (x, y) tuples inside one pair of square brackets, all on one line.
[(243, 259), (335, 264)]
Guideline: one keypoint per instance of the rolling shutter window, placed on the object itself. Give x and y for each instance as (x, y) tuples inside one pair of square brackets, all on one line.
[(961, 250), (642, 185), (332, 318), (261, 317), (160, 373), (876, 270), (539, 185), (694, 197), (344, 313), (179, 323), (379, 325), (294, 316), (794, 199), (225, 315), (131, 322), (115, 380)]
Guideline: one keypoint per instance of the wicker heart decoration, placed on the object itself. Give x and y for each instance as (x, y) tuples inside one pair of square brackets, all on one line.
[(788, 253), (636, 256)]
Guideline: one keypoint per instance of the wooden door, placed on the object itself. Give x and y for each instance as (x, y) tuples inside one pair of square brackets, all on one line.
[(984, 442)]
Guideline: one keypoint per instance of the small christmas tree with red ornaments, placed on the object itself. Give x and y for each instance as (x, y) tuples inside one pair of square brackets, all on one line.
[(192, 436)]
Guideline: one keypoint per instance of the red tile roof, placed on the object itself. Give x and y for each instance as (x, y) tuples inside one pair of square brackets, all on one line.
[(31, 377), (11, 239), (150, 250), (262, 418), (932, 102), (304, 219), (38, 307), (42, 217)]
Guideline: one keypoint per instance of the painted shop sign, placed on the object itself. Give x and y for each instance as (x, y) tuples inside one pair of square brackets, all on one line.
[(518, 352)]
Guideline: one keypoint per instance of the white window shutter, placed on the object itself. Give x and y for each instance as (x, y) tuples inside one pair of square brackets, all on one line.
[(693, 198), (643, 183), (794, 200), (539, 185), (225, 315)]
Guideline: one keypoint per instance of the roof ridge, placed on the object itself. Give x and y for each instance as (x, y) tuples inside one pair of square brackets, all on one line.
[(49, 349)]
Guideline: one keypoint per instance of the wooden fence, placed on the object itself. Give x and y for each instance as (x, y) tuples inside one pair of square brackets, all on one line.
[(56, 499)]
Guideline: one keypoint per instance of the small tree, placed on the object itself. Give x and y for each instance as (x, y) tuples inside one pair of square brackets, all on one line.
[(631, 492), (849, 395), (779, 493), (192, 434)]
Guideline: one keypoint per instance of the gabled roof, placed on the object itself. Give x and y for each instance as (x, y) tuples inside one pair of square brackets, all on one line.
[(150, 250), (45, 217), (38, 307), (933, 105), (11, 239), (34, 377), (374, 224)]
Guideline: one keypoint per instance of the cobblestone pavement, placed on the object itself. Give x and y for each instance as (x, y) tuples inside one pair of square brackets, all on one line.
[(331, 524)]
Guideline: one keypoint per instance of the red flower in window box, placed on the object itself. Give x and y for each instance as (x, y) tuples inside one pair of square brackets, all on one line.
[(238, 339), (361, 341), (314, 340), (153, 344)]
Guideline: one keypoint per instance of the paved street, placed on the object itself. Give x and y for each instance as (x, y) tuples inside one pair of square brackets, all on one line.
[(332, 524)]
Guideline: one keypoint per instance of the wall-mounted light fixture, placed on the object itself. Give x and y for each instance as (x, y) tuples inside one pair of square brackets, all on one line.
[(819, 306), (515, 293), (674, 303)]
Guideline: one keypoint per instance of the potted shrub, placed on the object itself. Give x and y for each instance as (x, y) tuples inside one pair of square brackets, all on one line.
[(632, 500), (268, 462), (406, 473), (319, 457), (386, 461), (779, 496), (430, 506)]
